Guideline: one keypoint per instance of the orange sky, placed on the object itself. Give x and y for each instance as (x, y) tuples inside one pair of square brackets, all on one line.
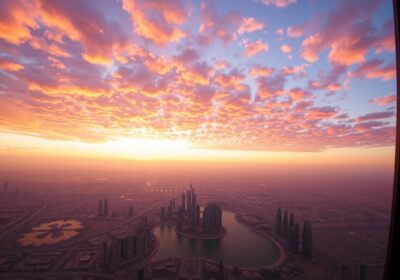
[(277, 82)]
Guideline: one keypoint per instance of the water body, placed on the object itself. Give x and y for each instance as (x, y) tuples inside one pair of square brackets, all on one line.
[(240, 246)]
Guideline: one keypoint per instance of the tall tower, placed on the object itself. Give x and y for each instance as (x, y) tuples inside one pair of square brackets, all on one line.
[(100, 207), (194, 203), (278, 222), (285, 225), (105, 211), (297, 237), (306, 245), (5, 186), (183, 201), (291, 221), (189, 200)]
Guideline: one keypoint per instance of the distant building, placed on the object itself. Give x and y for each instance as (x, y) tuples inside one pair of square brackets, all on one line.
[(278, 222), (100, 208), (5, 186), (125, 249), (198, 217), (212, 218), (307, 243), (183, 201), (297, 237), (130, 211), (285, 225), (105, 211)]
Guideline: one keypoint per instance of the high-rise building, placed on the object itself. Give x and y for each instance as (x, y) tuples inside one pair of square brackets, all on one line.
[(130, 211), (183, 201), (171, 205), (198, 218), (278, 222), (285, 225), (306, 244), (212, 218), (189, 201), (194, 203), (100, 208), (5, 186), (103, 253), (297, 237), (291, 220), (105, 211), (292, 238)]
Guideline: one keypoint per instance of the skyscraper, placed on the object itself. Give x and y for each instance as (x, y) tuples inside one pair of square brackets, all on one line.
[(105, 211), (189, 200), (100, 207), (183, 201), (285, 225), (306, 244), (5, 186), (212, 217), (291, 220), (130, 211), (297, 237), (292, 238), (278, 222), (198, 219)]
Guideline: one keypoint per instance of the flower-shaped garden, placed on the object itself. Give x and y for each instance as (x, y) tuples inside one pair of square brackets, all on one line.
[(51, 233)]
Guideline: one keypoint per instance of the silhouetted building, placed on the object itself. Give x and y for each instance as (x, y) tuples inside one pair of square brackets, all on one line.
[(278, 222), (297, 238), (5, 186), (292, 238), (221, 271), (183, 201), (100, 208), (194, 203), (130, 211), (212, 218), (285, 225), (306, 244), (122, 250), (291, 221), (105, 211), (189, 200), (103, 254), (162, 213)]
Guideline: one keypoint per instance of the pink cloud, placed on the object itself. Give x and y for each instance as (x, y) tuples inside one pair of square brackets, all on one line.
[(347, 33), (252, 49), (157, 20), (215, 26), (375, 116), (261, 71), (249, 25), (278, 3), (383, 101), (374, 69)]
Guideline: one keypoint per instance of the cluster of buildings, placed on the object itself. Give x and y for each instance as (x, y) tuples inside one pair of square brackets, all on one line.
[(190, 218), (126, 248), (290, 230)]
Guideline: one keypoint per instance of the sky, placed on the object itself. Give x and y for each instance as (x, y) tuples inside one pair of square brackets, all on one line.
[(278, 81)]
